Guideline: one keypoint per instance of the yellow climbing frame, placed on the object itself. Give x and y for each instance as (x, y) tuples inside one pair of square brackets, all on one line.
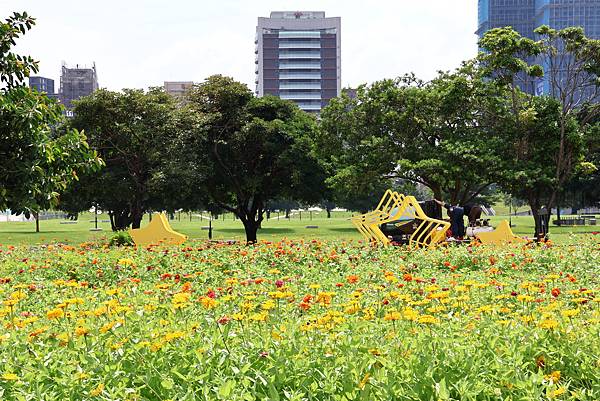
[(394, 206)]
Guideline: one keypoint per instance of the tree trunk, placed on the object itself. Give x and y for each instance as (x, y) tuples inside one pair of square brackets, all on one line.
[(287, 213), (328, 213), (558, 215), (111, 215), (251, 227), (122, 220), (268, 214), (36, 215), (136, 219)]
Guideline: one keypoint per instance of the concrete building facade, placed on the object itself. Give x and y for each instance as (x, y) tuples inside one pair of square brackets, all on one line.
[(298, 57), (77, 82), (178, 89)]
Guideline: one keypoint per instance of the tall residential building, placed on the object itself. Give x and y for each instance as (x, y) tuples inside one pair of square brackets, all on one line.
[(178, 89), (298, 57), (42, 84), (77, 82), (526, 15)]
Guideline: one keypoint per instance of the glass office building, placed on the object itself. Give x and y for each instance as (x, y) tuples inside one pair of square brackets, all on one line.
[(298, 58), (42, 84), (525, 15)]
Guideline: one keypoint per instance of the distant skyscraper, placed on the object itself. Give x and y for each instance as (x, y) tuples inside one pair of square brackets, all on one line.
[(77, 82), (42, 84), (526, 15), (178, 88), (298, 57)]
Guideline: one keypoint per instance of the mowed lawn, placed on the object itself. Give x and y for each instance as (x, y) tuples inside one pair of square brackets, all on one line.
[(338, 226)]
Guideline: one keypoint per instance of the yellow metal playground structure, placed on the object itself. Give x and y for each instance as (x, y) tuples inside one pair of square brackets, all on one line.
[(425, 231), (394, 206)]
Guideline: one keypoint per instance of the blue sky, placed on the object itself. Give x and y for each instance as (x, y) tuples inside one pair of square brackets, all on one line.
[(141, 43)]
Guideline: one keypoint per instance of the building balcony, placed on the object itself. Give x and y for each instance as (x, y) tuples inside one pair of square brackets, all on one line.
[(299, 75), (299, 45), (299, 85), (299, 34), (298, 55), (300, 66), (301, 96)]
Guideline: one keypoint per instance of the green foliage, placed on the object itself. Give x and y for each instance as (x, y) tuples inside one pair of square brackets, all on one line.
[(121, 238), (14, 68), (131, 131), (39, 156), (246, 151), (441, 134), (300, 320), (547, 134)]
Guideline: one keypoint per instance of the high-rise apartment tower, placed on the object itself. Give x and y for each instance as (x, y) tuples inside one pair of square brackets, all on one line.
[(298, 57)]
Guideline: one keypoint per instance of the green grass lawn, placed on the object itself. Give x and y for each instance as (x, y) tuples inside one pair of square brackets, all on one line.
[(337, 227)]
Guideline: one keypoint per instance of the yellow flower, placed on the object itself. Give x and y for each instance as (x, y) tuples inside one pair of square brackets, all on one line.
[(558, 392), (392, 316), (108, 326), (98, 390), (125, 262), (113, 291), (268, 305), (55, 313), (569, 312), (259, 317), (554, 376), (82, 331), (548, 324), (174, 335), (238, 316), (10, 377), (428, 319), (208, 303)]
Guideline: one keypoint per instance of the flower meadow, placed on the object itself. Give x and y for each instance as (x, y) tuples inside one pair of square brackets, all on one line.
[(299, 320)]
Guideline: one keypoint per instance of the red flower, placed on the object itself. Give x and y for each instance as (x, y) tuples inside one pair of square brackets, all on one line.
[(211, 294), (407, 277), (279, 283), (555, 292), (224, 320)]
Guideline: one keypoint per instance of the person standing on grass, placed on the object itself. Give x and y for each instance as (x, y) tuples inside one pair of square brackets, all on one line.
[(457, 223)]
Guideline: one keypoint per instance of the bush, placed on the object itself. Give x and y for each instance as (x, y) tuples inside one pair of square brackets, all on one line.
[(121, 238)]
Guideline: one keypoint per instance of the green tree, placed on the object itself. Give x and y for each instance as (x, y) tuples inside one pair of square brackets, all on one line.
[(247, 151), (439, 134), (543, 165), (131, 131), (39, 156)]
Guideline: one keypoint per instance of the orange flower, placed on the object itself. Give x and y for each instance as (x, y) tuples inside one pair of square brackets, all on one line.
[(555, 292), (407, 277), (352, 279)]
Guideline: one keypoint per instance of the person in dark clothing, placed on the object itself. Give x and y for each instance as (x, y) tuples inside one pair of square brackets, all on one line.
[(473, 212), (457, 223)]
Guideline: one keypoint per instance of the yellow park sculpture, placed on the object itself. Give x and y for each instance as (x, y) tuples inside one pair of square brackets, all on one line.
[(394, 206), (157, 231), (500, 236)]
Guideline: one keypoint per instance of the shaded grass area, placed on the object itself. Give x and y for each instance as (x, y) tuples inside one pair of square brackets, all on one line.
[(274, 229)]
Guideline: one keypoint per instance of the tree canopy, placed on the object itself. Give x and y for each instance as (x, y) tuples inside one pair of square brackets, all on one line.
[(39, 155), (246, 151), (131, 131)]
